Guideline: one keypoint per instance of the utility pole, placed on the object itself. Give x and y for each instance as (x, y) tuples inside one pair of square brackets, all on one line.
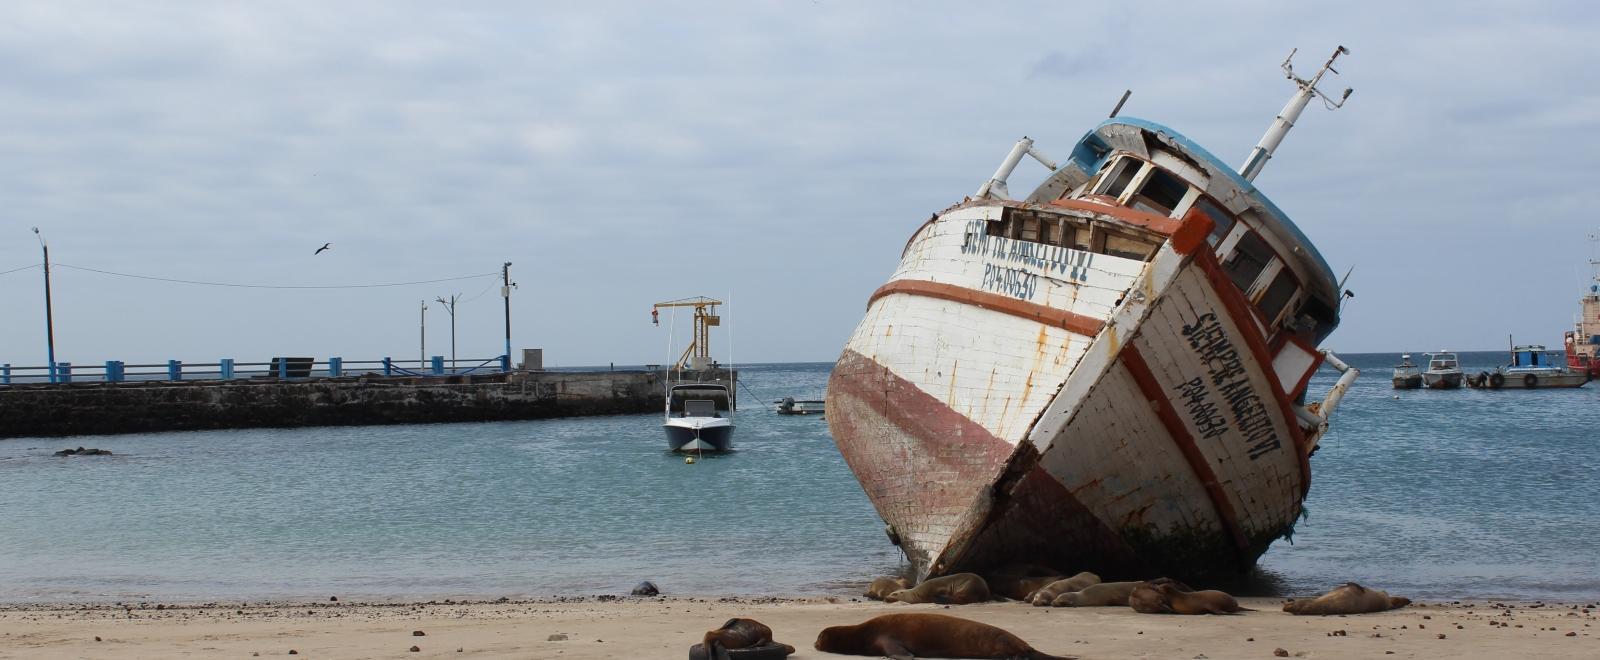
[(422, 343), (49, 321), (505, 292), (450, 306)]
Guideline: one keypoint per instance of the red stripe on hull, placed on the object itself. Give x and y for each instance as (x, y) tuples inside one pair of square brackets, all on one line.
[(921, 463), (930, 471), (1239, 310), (1157, 396), (1078, 323)]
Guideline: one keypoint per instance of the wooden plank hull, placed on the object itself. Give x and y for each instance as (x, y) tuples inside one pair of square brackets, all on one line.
[(1140, 430)]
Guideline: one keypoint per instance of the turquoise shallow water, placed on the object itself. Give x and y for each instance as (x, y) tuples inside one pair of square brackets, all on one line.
[(1435, 494)]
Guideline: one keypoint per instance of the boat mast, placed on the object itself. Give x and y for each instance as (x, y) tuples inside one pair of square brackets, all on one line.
[(1594, 265), (1291, 112)]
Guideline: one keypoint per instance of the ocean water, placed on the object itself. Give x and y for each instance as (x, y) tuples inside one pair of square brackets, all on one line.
[(1433, 494)]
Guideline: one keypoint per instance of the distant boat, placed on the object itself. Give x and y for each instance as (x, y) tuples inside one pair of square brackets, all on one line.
[(699, 418), (1583, 342), (1406, 374), (1444, 372), (1532, 367), (790, 406)]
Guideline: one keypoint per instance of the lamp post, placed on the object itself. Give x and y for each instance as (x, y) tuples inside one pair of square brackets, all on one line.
[(422, 341), (49, 321), (505, 292), (450, 306)]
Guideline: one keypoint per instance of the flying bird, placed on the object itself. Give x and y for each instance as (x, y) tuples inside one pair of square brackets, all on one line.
[(320, 249)]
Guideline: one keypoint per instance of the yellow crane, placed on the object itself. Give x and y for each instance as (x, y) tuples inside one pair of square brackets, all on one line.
[(698, 354)]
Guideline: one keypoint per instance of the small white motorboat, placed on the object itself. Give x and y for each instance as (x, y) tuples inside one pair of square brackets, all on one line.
[(699, 418)]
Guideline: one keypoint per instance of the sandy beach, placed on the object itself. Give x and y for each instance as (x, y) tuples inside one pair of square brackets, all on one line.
[(665, 628)]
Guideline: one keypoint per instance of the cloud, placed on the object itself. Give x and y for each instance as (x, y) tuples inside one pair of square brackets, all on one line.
[(603, 147)]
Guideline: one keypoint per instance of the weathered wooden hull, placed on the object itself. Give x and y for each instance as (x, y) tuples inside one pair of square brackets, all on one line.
[(999, 403)]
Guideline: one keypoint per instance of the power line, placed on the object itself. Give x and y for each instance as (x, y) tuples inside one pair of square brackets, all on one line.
[(273, 286), (479, 294), (8, 272)]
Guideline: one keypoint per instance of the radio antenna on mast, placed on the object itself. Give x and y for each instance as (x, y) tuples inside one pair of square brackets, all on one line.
[(1291, 112), (1594, 264)]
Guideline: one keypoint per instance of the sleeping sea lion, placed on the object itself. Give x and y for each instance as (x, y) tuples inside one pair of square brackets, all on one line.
[(1351, 598), (1096, 595), (958, 589), (1021, 588), (1167, 598), (1147, 599), (923, 635), (739, 634), (1047, 593), (884, 586)]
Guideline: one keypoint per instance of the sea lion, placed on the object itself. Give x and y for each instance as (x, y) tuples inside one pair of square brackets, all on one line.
[(884, 586), (958, 589), (1047, 593), (739, 634), (1019, 581), (1095, 595), (1351, 598), (924, 635), (1020, 588), (1168, 598), (1147, 599)]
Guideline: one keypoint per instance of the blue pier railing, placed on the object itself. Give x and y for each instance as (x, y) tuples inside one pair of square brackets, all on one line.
[(227, 369)]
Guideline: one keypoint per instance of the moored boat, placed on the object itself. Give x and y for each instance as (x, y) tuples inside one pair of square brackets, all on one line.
[(1444, 372), (699, 414), (1406, 374), (1583, 341), (791, 406), (1109, 374), (699, 417), (1532, 367)]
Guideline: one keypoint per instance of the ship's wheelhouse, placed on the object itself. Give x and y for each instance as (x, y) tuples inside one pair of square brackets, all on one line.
[(1162, 184)]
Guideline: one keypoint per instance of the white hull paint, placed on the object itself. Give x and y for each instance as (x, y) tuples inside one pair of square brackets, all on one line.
[(1074, 419)]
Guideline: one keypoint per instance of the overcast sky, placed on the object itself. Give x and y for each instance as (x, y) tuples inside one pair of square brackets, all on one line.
[(775, 153)]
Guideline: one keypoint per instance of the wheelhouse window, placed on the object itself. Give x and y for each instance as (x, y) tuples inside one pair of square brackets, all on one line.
[(1119, 176), (1221, 220), (1160, 193), (1250, 256), (1277, 295)]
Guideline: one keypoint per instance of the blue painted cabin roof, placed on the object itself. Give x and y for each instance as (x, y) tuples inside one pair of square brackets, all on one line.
[(1091, 152)]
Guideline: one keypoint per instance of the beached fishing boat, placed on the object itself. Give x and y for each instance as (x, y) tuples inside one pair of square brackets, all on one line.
[(1108, 374), (1444, 372), (699, 418), (1532, 367), (1406, 374)]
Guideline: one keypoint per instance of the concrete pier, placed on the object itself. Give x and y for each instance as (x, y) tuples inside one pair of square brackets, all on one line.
[(140, 407)]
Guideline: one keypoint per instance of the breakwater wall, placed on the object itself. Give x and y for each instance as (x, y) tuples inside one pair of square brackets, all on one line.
[(99, 408)]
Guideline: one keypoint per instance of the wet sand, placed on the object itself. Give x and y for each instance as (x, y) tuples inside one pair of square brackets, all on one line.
[(665, 628)]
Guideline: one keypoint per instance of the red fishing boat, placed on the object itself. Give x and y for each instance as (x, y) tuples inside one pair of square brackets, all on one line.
[(1583, 342)]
